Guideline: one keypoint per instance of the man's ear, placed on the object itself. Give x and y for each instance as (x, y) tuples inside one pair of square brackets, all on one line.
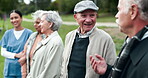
[(134, 11), (75, 16)]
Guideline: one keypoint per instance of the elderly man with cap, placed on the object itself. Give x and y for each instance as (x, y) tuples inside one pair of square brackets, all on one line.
[(86, 40)]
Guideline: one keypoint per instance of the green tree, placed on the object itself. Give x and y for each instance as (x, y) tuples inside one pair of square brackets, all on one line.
[(34, 5), (54, 6), (27, 9), (108, 6), (67, 6), (42, 4), (7, 5)]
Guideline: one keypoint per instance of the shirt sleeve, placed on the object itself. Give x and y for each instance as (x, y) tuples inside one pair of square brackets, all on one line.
[(7, 54)]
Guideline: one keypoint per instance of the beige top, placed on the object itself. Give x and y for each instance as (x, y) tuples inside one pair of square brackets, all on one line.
[(47, 58), (99, 43)]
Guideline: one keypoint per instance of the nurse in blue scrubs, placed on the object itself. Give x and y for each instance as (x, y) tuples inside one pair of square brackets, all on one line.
[(12, 45)]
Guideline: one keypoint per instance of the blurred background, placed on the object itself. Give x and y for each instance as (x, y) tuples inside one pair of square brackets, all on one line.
[(107, 11), (62, 6)]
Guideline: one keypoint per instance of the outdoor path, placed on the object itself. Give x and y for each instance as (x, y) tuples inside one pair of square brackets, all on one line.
[(107, 24)]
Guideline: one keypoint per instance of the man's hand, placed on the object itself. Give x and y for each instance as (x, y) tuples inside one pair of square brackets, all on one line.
[(98, 65)]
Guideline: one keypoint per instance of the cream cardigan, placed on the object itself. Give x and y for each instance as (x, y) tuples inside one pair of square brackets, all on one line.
[(99, 43)]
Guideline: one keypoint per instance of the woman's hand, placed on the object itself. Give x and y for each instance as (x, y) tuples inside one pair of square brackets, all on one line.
[(19, 55), (22, 60)]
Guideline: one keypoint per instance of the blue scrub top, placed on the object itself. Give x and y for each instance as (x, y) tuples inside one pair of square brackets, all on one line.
[(0, 42), (12, 66)]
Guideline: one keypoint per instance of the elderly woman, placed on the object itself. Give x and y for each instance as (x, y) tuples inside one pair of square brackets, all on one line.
[(46, 59), (31, 44)]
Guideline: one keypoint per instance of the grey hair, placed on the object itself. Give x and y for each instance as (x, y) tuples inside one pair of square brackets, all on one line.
[(127, 5), (142, 6), (37, 14), (54, 17), (143, 9)]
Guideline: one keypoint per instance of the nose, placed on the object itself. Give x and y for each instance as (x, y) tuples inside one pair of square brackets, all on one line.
[(39, 25), (13, 20), (35, 24), (116, 16), (88, 19)]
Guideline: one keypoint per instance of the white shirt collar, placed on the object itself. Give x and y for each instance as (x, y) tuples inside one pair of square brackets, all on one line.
[(145, 36), (86, 34)]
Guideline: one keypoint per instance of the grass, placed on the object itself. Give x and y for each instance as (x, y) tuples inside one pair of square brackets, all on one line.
[(101, 18), (69, 17), (106, 19), (117, 36), (28, 16)]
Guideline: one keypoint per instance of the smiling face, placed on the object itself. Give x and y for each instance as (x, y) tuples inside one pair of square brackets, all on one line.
[(15, 20), (86, 20), (45, 26), (36, 25)]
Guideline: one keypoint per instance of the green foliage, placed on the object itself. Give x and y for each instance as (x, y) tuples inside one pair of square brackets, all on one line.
[(63, 6), (107, 5), (113, 6), (53, 6), (7, 5), (66, 6), (43, 4), (27, 9)]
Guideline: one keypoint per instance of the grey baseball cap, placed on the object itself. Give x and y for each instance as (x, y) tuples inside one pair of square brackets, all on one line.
[(84, 5)]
